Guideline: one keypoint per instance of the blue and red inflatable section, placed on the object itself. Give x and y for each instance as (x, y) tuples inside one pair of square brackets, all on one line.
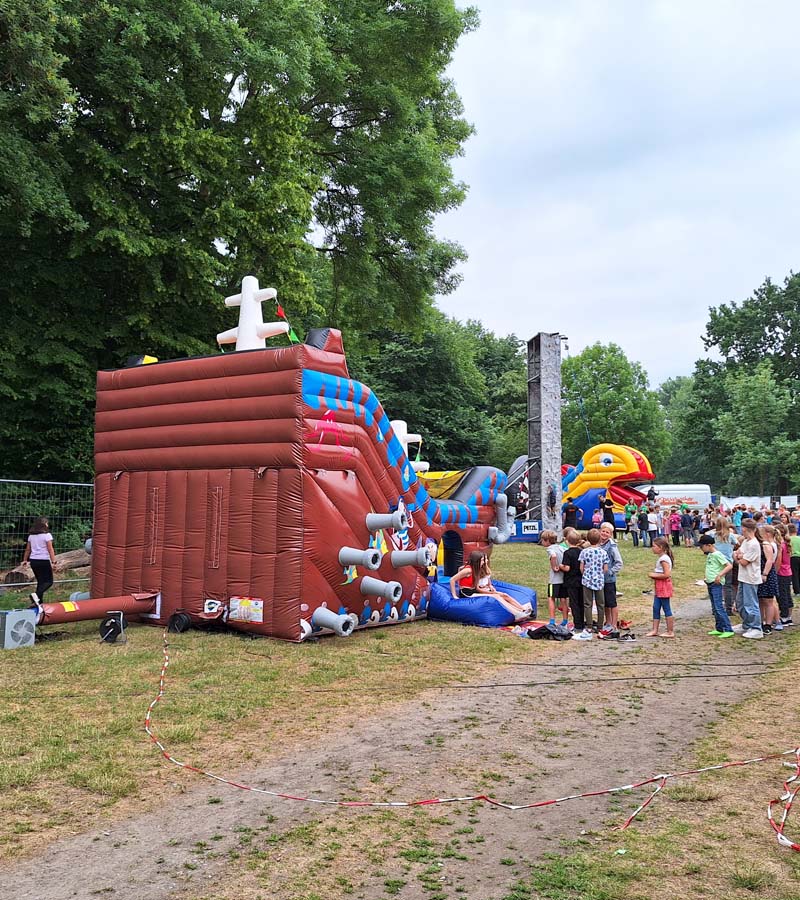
[(478, 609)]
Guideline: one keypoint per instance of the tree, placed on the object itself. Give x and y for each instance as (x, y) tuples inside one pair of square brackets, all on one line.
[(606, 394), (508, 397), (435, 384), (764, 326), (186, 145), (503, 365), (698, 453), (36, 112), (761, 454), (681, 464), (459, 385), (385, 124)]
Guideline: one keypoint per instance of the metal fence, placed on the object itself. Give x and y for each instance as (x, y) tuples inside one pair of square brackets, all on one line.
[(69, 508)]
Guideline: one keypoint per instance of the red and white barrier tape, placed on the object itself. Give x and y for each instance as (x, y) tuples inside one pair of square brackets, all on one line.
[(786, 799)]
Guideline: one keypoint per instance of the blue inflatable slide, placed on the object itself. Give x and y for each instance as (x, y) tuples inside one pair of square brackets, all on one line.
[(479, 609)]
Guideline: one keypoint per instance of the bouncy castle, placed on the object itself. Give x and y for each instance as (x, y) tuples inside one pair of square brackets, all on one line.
[(266, 489), (605, 469)]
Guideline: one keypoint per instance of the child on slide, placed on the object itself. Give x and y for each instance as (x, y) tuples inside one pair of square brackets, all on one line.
[(476, 578)]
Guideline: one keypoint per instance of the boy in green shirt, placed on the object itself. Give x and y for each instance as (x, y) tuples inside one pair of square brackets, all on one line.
[(630, 511), (717, 567)]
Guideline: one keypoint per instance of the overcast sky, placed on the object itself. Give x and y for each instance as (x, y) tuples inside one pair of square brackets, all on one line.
[(634, 164)]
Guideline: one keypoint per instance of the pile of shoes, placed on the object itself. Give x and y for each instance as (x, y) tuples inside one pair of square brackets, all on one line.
[(621, 633)]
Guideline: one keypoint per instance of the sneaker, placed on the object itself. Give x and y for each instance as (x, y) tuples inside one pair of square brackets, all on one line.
[(627, 637), (726, 634), (715, 633), (766, 629), (609, 635), (582, 636), (739, 629), (787, 623), (753, 633), (606, 628), (777, 626)]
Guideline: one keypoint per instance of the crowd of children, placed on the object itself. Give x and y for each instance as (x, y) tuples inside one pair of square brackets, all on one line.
[(583, 577), (752, 569)]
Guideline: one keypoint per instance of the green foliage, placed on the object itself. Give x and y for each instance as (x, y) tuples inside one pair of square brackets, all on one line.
[(460, 386), (434, 384), (154, 155), (502, 362), (698, 454), (386, 141), (764, 326), (687, 402), (68, 509), (36, 112), (606, 393), (761, 454), (737, 427)]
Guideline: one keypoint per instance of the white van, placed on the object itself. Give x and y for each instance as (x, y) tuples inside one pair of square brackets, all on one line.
[(696, 496)]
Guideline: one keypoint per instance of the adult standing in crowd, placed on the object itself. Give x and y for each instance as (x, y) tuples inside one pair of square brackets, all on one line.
[(39, 552), (686, 528), (794, 547), (643, 525), (608, 512), (570, 515)]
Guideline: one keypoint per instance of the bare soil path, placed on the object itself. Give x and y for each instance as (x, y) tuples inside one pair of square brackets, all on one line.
[(517, 743)]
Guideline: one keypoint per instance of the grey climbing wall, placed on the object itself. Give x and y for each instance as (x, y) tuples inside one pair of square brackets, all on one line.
[(544, 428)]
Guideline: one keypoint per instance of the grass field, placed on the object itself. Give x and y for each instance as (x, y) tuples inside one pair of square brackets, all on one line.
[(709, 837), (72, 748)]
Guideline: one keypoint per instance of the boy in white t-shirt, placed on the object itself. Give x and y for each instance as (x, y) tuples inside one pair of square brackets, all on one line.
[(556, 592), (748, 555)]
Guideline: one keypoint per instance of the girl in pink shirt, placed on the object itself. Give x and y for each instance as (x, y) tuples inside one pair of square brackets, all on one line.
[(784, 574), (41, 556)]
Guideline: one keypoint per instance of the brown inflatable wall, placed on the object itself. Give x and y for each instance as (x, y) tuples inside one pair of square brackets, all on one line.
[(241, 476)]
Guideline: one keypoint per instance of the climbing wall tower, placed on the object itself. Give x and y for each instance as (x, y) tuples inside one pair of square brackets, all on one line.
[(544, 429)]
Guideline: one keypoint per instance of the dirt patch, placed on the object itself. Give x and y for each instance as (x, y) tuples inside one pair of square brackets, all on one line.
[(526, 741)]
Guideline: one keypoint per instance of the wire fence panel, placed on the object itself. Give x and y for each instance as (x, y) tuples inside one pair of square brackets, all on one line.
[(69, 508)]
